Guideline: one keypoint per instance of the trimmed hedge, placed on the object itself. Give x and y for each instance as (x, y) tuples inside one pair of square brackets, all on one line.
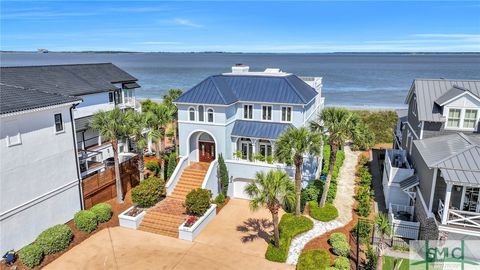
[(312, 192), (325, 214), (364, 194), (54, 239), (313, 260), (342, 263), (220, 199), (337, 237), (289, 227), (31, 255), (85, 220), (341, 248), (148, 192), (326, 157), (172, 163), (332, 192), (153, 166), (103, 211), (197, 201)]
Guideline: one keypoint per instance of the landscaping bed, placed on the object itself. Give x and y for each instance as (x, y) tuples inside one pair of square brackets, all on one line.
[(80, 236)]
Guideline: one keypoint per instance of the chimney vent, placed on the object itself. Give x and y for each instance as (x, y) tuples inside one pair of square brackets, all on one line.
[(240, 68)]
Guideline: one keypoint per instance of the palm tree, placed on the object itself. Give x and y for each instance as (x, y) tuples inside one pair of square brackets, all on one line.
[(112, 125), (291, 146), (157, 118), (340, 125), (136, 127), (168, 100), (272, 190), (383, 226)]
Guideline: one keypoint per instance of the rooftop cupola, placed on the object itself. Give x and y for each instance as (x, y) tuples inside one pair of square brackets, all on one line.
[(240, 68)]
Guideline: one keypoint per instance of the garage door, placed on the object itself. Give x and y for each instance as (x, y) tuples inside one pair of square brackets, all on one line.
[(239, 188)]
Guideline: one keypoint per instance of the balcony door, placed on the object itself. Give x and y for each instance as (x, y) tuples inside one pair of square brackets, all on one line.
[(471, 201)]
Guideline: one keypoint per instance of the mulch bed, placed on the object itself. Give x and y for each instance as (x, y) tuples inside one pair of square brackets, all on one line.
[(219, 207), (79, 236)]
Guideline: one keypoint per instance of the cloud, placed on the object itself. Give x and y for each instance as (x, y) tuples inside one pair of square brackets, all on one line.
[(157, 43), (186, 22), (34, 13)]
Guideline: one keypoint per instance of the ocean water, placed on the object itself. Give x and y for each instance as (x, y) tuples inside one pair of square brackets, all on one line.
[(373, 80)]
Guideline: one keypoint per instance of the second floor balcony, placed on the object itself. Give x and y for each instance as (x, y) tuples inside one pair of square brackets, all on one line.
[(397, 167)]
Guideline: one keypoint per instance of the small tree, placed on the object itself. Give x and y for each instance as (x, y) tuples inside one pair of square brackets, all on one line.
[(383, 226), (272, 190), (222, 175), (172, 163), (136, 127)]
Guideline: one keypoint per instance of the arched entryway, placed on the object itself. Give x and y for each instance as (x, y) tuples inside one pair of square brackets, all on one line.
[(202, 147)]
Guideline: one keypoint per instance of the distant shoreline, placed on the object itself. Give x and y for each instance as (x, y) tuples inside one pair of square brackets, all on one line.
[(273, 53)]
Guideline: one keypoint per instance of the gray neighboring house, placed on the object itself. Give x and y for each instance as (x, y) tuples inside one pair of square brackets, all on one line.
[(432, 176), (46, 147)]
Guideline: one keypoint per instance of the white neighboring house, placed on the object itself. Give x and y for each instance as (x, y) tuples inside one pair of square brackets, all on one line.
[(46, 146), (240, 115)]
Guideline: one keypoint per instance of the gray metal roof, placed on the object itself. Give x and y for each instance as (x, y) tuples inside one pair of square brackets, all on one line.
[(454, 92), (68, 80), (15, 99), (409, 182), (131, 85), (258, 129), (456, 155), (429, 90), (228, 88), (82, 123)]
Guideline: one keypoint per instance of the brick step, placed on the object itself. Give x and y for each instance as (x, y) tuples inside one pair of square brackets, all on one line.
[(186, 186), (178, 196), (169, 233), (155, 223), (183, 182), (194, 172), (159, 227), (164, 216)]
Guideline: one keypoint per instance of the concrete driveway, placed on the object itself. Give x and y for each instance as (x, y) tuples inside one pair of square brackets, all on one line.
[(235, 239)]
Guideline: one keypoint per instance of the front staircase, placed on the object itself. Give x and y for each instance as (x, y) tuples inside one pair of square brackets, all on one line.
[(165, 217)]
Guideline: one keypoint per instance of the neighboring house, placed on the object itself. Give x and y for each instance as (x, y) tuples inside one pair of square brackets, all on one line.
[(436, 160), (240, 115), (45, 142)]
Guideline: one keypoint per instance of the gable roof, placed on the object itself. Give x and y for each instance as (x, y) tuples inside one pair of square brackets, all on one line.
[(67, 80), (15, 99), (456, 155), (226, 89), (429, 91), (258, 129), (454, 92)]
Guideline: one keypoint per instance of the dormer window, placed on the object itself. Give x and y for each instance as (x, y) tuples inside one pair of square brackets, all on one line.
[(454, 118), (191, 114), (470, 118)]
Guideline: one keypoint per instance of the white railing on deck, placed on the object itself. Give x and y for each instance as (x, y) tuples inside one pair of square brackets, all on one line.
[(172, 182), (458, 217), (402, 228), (440, 209), (210, 181), (402, 208)]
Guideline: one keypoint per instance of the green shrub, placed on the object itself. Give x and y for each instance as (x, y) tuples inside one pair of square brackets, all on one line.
[(313, 260), (326, 157), (148, 192), (341, 248), (338, 237), (362, 160), (331, 268), (332, 192), (31, 255), (381, 123), (55, 239), (372, 258), (86, 221), (220, 199), (223, 175), (172, 163), (363, 230), (312, 192), (198, 201), (342, 263), (103, 211), (153, 166), (289, 227), (325, 214)]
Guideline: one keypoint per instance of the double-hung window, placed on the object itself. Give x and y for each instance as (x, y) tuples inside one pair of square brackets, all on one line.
[(266, 112), (286, 114), (58, 122), (470, 118), (247, 111), (191, 114), (454, 116)]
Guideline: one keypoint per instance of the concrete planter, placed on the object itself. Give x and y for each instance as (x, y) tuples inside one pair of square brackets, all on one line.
[(129, 221), (190, 233)]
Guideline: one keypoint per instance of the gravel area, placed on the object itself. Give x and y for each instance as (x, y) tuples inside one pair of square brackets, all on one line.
[(344, 202)]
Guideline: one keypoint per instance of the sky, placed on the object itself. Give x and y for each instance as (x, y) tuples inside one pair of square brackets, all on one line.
[(246, 26)]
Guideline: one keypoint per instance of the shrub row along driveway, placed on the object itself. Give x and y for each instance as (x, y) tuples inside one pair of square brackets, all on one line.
[(235, 239)]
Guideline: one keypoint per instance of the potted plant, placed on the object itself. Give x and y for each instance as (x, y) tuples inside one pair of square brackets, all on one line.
[(238, 154), (269, 159), (132, 217), (201, 211), (258, 157)]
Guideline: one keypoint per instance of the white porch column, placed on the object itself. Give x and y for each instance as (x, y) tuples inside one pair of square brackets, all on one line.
[(447, 203), (254, 148), (272, 143), (123, 97)]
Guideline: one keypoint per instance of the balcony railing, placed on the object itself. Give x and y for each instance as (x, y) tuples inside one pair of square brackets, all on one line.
[(397, 166), (458, 217), (400, 218)]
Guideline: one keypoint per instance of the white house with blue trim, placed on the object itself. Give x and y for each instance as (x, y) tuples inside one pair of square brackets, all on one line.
[(240, 115)]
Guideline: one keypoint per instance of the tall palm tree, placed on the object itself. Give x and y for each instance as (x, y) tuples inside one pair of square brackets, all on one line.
[(157, 118), (290, 148), (112, 125), (272, 190), (340, 125), (383, 227), (136, 129), (168, 100)]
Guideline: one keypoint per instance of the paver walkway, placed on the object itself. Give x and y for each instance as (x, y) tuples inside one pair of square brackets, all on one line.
[(343, 201)]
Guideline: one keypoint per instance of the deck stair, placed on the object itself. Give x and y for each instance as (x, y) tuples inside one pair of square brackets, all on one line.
[(165, 217)]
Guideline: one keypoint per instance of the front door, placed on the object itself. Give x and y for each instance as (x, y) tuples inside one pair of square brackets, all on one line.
[(206, 151)]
